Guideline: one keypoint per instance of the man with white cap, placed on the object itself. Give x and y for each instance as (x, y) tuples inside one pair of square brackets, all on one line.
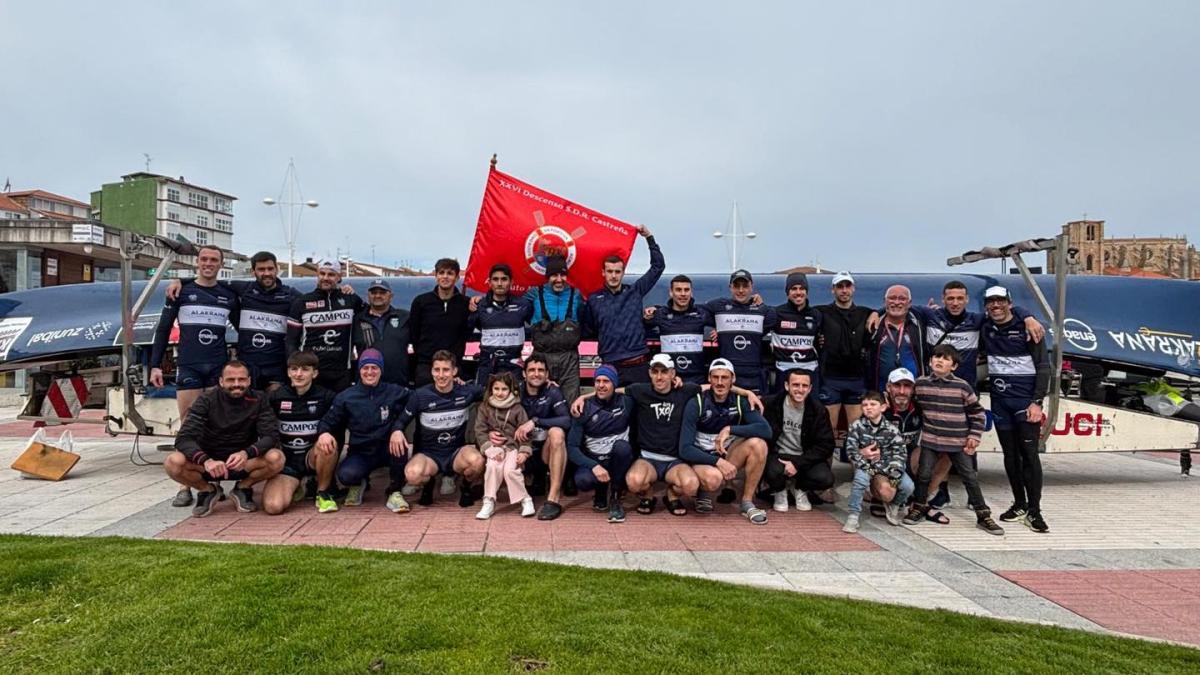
[(322, 322), (1019, 378), (721, 436), (843, 343)]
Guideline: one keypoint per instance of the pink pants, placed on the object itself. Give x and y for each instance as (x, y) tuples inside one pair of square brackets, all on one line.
[(502, 468)]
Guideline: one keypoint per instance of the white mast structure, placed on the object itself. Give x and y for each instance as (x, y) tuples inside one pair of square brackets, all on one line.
[(734, 233), (291, 207)]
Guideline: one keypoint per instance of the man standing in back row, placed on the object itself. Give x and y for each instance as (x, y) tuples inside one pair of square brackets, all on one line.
[(322, 322), (741, 326), (438, 321), (614, 314)]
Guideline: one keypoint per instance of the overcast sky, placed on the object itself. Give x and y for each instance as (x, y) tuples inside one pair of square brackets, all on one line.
[(871, 136)]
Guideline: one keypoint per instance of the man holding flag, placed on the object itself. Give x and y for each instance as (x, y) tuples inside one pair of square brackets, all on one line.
[(614, 314)]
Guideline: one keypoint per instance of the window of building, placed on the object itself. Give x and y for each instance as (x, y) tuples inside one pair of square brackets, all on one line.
[(172, 215), (172, 194), (1091, 234), (202, 221), (202, 237), (223, 224), (221, 204), (1090, 260), (197, 199)]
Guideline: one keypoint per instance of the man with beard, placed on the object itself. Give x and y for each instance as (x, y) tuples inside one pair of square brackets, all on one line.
[(230, 434), (322, 322), (545, 432), (384, 327), (555, 328)]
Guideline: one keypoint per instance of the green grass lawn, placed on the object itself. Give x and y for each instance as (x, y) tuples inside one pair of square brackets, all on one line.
[(118, 605)]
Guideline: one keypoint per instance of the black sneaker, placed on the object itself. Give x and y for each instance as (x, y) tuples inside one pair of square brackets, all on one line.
[(983, 520), (206, 500), (616, 512), (569, 489), (1013, 514), (243, 499), (600, 500), (1035, 522), (550, 511), (426, 493), (916, 513), (183, 497), (465, 498)]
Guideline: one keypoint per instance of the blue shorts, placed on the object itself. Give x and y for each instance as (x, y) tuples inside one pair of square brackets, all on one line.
[(1008, 413), (661, 468), (297, 466), (444, 460), (841, 390), (198, 376)]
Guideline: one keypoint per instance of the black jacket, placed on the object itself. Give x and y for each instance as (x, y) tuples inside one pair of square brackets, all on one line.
[(844, 335), (218, 425), (435, 324), (816, 433), (392, 340)]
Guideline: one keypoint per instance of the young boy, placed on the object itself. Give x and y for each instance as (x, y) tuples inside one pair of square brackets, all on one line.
[(954, 421), (877, 452), (299, 407)]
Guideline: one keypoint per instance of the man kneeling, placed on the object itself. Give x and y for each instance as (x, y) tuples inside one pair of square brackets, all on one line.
[(229, 434), (720, 436), (599, 444), (299, 406)]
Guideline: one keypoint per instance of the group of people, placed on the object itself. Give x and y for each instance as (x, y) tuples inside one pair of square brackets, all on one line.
[(327, 388)]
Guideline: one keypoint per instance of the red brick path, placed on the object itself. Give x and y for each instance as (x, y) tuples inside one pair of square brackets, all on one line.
[(444, 527), (1158, 603)]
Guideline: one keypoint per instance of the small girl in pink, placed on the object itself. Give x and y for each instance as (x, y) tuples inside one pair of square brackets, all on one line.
[(499, 415)]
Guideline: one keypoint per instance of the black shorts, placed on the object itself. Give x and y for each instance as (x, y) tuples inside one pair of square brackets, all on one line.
[(662, 467), (444, 460), (297, 465), (262, 377), (839, 390), (197, 376), (231, 475)]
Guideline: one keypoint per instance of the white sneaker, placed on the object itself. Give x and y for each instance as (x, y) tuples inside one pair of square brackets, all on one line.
[(410, 490), (489, 507), (397, 504), (802, 503), (781, 501), (448, 487), (892, 512), (527, 507), (851, 525)]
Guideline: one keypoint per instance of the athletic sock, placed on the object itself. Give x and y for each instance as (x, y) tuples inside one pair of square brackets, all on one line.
[(747, 505)]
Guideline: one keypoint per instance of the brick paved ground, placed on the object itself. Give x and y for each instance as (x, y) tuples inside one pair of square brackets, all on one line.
[(1123, 554)]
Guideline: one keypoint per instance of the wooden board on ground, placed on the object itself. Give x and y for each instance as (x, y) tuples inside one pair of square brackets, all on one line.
[(45, 461)]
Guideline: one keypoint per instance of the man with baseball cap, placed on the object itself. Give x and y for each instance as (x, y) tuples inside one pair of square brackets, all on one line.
[(843, 342), (384, 327), (322, 322), (721, 436), (741, 326), (1019, 378), (500, 320)]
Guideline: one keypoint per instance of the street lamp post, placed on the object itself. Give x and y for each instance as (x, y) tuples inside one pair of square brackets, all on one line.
[(291, 207), (734, 234)]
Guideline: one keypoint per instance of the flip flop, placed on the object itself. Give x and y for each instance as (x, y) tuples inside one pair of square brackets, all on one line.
[(935, 516), (646, 506), (675, 506)]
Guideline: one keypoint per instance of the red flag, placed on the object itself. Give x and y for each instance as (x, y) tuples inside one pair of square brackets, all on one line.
[(522, 225)]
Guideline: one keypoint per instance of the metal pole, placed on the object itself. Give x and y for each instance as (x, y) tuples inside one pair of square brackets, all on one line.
[(1059, 319), (129, 372)]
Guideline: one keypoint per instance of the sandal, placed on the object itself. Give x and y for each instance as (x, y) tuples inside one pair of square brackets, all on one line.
[(704, 505), (646, 506), (756, 516), (675, 506), (935, 516)]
